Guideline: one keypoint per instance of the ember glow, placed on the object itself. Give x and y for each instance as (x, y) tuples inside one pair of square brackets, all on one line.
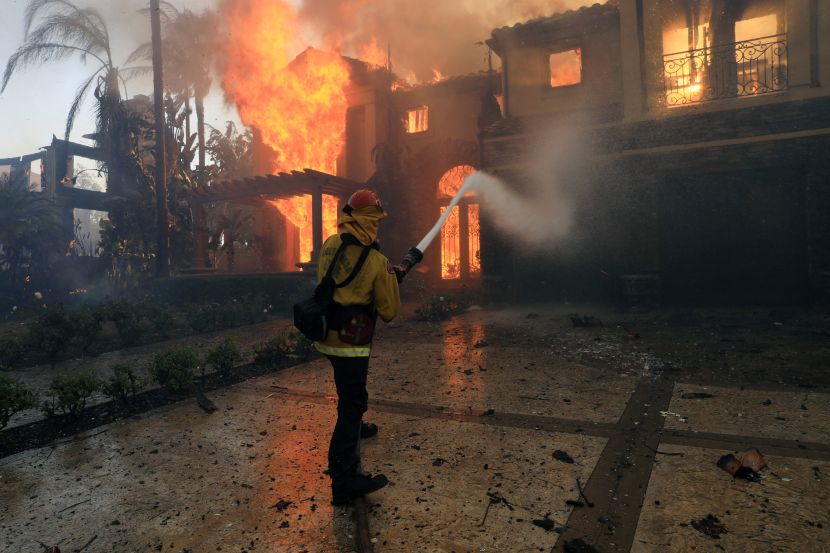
[(462, 227), (299, 107)]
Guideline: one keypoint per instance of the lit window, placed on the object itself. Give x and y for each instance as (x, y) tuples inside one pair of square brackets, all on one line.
[(566, 68), (417, 120)]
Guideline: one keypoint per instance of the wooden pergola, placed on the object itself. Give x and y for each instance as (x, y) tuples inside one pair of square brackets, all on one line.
[(279, 186)]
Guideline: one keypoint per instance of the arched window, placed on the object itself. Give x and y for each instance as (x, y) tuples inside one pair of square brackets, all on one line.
[(460, 236)]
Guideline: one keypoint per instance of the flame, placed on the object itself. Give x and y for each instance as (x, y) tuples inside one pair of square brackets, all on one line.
[(297, 104), (451, 233), (373, 54), (298, 212), (566, 68), (437, 76)]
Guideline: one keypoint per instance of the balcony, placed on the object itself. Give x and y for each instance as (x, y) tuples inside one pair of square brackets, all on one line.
[(741, 69)]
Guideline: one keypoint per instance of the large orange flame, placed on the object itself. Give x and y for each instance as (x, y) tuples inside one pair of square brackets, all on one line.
[(298, 106), (298, 211)]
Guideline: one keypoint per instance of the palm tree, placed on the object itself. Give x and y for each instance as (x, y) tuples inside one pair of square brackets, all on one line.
[(63, 30), (188, 45)]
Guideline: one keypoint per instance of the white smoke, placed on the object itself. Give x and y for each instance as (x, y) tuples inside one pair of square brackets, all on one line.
[(536, 209)]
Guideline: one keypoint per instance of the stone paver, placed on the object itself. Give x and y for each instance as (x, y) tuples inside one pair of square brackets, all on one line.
[(786, 511), (182, 480), (787, 415), (179, 477)]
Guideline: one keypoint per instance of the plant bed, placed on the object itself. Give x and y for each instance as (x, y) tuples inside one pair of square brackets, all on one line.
[(43, 432)]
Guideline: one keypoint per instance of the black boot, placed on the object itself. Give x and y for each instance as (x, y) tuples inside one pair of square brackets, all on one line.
[(368, 429), (347, 488)]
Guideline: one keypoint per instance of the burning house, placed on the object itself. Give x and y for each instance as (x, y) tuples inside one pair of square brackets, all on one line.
[(704, 123), (415, 144), (698, 123)]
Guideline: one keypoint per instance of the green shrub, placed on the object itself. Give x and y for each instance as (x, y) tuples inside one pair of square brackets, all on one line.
[(230, 314), (255, 309), (438, 308), (287, 344), (161, 320), (51, 333), (200, 318), (69, 393), (11, 351), (127, 320), (123, 384), (223, 357), (173, 368), (14, 397), (86, 324)]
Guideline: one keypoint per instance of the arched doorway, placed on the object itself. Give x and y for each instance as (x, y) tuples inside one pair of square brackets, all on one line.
[(461, 235)]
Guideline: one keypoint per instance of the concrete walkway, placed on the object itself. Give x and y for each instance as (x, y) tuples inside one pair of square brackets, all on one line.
[(476, 417)]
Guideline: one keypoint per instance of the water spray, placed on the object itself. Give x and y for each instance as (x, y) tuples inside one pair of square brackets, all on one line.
[(416, 253)]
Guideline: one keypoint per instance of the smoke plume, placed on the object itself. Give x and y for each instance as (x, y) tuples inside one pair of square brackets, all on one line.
[(537, 208), (425, 36)]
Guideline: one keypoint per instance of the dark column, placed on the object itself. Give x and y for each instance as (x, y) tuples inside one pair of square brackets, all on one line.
[(316, 221), (163, 266), (464, 242), (200, 235)]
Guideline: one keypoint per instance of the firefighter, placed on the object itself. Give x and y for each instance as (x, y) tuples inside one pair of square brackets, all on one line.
[(372, 293)]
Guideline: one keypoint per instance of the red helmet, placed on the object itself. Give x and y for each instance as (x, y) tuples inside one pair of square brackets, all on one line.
[(364, 198)]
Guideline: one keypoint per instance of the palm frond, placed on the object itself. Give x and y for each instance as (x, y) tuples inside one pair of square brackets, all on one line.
[(30, 54), (85, 25), (137, 71), (142, 53), (67, 30), (76, 103)]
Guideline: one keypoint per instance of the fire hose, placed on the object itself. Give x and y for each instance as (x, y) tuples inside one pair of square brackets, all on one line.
[(416, 253)]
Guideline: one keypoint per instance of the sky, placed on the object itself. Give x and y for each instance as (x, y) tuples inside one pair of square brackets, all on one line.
[(36, 101)]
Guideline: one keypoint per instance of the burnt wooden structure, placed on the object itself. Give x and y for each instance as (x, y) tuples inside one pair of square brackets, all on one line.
[(253, 190)]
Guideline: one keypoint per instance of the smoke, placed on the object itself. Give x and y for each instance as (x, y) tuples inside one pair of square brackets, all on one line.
[(536, 209), (425, 36)]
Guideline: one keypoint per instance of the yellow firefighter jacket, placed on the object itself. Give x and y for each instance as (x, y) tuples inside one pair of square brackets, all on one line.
[(375, 285)]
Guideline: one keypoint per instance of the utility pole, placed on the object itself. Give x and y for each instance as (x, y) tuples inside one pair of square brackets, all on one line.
[(163, 263)]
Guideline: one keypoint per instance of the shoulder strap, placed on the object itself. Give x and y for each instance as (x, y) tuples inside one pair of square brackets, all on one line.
[(348, 239), (339, 251), (364, 254)]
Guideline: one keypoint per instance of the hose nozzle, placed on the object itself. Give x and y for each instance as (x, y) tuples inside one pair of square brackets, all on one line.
[(412, 258)]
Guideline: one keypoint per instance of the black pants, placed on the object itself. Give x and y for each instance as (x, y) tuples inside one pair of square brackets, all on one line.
[(352, 399)]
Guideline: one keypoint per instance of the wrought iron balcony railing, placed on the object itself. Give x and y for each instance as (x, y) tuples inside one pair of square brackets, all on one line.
[(746, 68)]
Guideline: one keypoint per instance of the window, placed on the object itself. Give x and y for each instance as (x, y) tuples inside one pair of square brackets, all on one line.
[(566, 68), (417, 120)]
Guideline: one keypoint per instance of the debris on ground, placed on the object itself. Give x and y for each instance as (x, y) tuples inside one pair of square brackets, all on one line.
[(438, 462), (678, 416), (579, 546), (282, 504), (563, 456), (696, 395), (545, 523), (747, 468), (495, 498), (574, 503), (584, 321), (204, 402), (710, 526), (582, 494), (481, 344), (753, 459), (489, 412)]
